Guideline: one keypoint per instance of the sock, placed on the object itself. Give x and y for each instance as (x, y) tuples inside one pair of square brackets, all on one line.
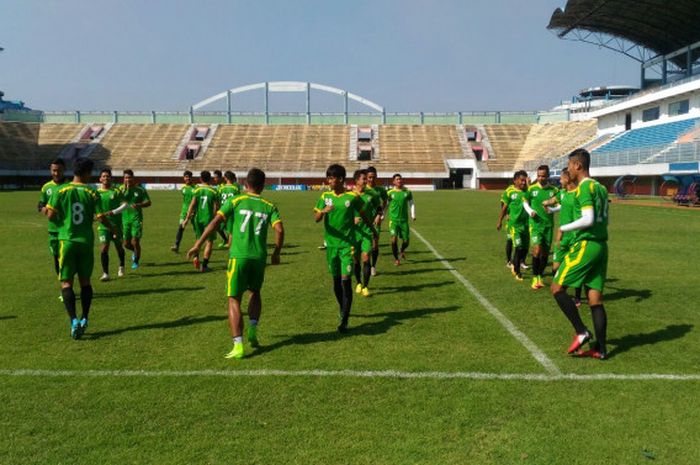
[(404, 246), (366, 273), (85, 300), (347, 298), (375, 256), (104, 258), (516, 260), (358, 273), (509, 251), (395, 250), (56, 265), (522, 253), (600, 325), (222, 235), (137, 257), (577, 293), (338, 290), (238, 339), (69, 302), (568, 307), (178, 236), (205, 263), (121, 255), (253, 322), (535, 265)]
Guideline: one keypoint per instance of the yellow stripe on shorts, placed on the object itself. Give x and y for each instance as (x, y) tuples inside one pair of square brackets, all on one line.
[(229, 274), (60, 259), (572, 263)]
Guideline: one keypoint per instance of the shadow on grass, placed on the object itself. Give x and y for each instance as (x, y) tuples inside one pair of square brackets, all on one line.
[(415, 287), (178, 263), (630, 341), (409, 261), (184, 321), (621, 293), (159, 290), (390, 320), (410, 272), (8, 317), (191, 271)]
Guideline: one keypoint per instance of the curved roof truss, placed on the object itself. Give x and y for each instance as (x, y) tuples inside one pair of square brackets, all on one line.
[(288, 86)]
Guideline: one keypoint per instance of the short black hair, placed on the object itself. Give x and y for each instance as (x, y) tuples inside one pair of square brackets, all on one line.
[(336, 171), (371, 169), (129, 172), (359, 173), (543, 167), (106, 170), (230, 175), (83, 166), (519, 173), (205, 176), (565, 172), (397, 175), (187, 173), (217, 173), (58, 161), (582, 156), (255, 179)]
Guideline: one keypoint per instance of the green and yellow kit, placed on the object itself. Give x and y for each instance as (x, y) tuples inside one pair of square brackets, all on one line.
[(228, 191), (132, 218), (47, 191), (517, 216), (187, 191), (566, 215), (109, 200), (251, 216), (542, 225), (399, 200), (373, 203), (339, 226), (206, 198)]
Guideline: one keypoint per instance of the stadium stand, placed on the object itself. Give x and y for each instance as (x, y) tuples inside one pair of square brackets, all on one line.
[(26, 146), (507, 142), (660, 134), (548, 140), (417, 148)]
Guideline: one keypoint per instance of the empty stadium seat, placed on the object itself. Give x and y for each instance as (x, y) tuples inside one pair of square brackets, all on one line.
[(660, 134)]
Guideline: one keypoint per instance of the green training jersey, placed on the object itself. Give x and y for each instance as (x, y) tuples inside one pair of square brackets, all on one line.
[(132, 195), (76, 206), (252, 216), (398, 204), (206, 197), (372, 202), (187, 192), (109, 200), (506, 194), (47, 191), (517, 216), (566, 200), (339, 223), (228, 191), (381, 190), (592, 194), (536, 194)]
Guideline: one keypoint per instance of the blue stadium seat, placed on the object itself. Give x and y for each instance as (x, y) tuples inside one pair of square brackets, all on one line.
[(660, 134)]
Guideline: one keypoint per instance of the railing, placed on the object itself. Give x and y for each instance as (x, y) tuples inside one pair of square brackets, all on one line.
[(223, 117)]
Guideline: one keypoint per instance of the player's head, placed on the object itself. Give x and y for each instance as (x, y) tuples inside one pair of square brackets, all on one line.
[(397, 180), (105, 176), (205, 176), (255, 180), (82, 168), (520, 179), (543, 174), (335, 176), (579, 164), (187, 177), (230, 176), (57, 167), (128, 178), (371, 175), (360, 178), (217, 176)]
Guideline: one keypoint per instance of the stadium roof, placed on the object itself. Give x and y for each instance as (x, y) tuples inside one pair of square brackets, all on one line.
[(661, 26)]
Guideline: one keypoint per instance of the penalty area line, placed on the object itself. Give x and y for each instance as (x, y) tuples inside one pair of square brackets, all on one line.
[(385, 374), (535, 351)]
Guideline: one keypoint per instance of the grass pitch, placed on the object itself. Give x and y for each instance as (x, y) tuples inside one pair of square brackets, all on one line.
[(149, 384)]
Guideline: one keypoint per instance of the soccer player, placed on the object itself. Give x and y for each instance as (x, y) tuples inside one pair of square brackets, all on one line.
[(136, 198), (381, 190), (338, 208), (400, 200), (509, 240), (586, 262), (365, 241), (110, 200), (217, 183), (565, 200), (228, 191), (57, 168), (517, 219), (204, 204), (187, 190), (541, 223), (74, 207), (252, 215)]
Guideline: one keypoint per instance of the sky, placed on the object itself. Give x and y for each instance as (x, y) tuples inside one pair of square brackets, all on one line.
[(405, 55)]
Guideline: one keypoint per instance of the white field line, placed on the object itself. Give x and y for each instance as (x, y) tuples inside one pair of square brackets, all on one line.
[(535, 351), (386, 374)]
